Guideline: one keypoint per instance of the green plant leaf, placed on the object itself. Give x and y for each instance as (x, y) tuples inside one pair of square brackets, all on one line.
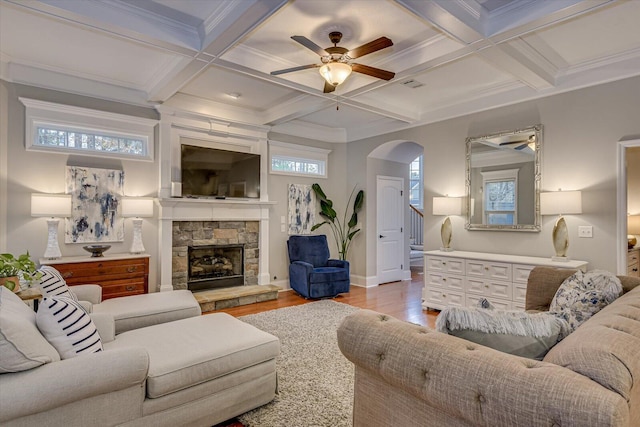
[(357, 204), (354, 220), (318, 190), (353, 233), (316, 226), (327, 209)]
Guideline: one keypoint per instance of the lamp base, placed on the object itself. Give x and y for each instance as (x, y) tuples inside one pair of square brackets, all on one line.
[(446, 249), (136, 246), (560, 259), (53, 249)]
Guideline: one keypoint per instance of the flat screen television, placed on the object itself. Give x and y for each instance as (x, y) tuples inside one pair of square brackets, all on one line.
[(216, 173)]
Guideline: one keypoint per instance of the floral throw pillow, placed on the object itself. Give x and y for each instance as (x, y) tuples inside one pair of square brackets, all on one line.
[(582, 295)]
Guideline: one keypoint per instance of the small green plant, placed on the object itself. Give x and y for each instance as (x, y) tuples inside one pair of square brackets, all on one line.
[(22, 266), (343, 231)]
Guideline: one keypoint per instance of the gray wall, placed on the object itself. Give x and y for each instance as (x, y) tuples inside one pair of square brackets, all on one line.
[(333, 187), (633, 180), (37, 172), (581, 133)]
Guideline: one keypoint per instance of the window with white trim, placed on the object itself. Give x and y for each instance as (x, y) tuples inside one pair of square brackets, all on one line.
[(74, 130), (294, 159), (415, 182), (500, 197)]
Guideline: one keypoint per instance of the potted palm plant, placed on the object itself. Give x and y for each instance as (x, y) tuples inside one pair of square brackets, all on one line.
[(343, 230), (12, 269)]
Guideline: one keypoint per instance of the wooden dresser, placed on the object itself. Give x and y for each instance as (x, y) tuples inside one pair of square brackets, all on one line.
[(118, 274), (461, 278), (633, 262)]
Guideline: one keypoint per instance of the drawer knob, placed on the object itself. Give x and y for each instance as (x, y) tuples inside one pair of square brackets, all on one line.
[(486, 268), (444, 263), (67, 274), (486, 286), (131, 269), (131, 288), (444, 295), (444, 279)]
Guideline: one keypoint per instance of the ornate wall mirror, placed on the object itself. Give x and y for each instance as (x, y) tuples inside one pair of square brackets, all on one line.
[(503, 181)]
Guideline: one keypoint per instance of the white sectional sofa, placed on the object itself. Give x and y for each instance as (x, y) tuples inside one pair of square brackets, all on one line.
[(195, 371)]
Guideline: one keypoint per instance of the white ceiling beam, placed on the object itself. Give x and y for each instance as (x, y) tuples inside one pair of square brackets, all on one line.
[(294, 109), (451, 17)]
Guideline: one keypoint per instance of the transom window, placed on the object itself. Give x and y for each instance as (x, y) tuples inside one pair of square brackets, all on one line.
[(67, 129), (294, 159)]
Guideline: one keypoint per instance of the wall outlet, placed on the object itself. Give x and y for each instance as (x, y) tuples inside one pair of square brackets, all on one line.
[(585, 231)]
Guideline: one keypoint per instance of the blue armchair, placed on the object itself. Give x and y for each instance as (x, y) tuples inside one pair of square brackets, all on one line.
[(311, 273)]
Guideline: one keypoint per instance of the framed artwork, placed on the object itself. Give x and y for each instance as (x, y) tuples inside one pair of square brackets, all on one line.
[(96, 205), (302, 209)]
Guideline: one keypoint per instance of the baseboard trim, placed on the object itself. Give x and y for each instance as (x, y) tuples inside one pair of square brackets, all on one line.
[(364, 282)]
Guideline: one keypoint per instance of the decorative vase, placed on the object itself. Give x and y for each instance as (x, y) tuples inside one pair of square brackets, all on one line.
[(12, 283)]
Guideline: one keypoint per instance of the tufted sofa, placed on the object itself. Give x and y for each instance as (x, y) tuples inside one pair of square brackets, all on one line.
[(407, 374)]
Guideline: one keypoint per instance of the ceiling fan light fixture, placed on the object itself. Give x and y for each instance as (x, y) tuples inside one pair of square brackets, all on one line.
[(335, 73)]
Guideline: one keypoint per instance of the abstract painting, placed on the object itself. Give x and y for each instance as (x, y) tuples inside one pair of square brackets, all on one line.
[(96, 205), (302, 209)]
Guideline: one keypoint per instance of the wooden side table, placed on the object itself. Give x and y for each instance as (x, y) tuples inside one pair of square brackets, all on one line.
[(118, 274), (30, 294)]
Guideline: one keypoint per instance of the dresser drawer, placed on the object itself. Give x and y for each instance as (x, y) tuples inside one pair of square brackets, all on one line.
[(445, 281), (520, 293), (117, 277), (521, 272), (489, 270), (440, 299), (446, 265), (488, 288)]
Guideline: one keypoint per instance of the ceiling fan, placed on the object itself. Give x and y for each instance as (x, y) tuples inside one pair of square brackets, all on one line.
[(529, 142), (335, 67)]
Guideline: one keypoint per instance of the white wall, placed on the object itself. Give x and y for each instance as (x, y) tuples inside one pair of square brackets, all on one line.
[(581, 133)]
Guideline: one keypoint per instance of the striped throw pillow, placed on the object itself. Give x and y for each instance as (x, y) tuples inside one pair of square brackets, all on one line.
[(53, 284), (67, 327)]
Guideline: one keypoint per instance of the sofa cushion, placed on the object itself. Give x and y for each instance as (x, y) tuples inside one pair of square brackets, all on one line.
[(52, 283), (514, 332), (22, 346), (139, 311), (582, 295), (193, 351), (605, 349), (69, 328)]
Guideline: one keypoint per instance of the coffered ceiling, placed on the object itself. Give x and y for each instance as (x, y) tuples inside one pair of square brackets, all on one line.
[(450, 57)]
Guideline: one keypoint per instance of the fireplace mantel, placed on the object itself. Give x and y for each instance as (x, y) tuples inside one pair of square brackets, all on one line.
[(192, 209)]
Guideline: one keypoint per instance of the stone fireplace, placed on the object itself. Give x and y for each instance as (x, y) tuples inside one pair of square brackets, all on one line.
[(214, 254), (198, 223)]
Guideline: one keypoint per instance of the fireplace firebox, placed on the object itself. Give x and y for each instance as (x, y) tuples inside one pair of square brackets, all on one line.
[(215, 266)]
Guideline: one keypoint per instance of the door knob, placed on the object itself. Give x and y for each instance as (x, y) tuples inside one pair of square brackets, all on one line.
[(381, 236)]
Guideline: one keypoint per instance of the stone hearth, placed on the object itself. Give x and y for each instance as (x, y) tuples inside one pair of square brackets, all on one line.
[(205, 233)]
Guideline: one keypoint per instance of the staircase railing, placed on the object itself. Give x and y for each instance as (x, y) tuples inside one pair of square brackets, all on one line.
[(416, 225)]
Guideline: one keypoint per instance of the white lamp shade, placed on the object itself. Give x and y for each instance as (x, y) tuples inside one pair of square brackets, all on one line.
[(633, 224), (335, 73), (137, 207), (51, 205), (561, 202), (447, 205)]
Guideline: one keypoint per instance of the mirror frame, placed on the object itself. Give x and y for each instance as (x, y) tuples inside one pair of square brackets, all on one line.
[(536, 226)]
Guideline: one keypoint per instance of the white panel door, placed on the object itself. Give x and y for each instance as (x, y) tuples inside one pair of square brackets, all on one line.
[(390, 207)]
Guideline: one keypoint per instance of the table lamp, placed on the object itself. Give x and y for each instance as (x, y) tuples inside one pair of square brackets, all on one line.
[(138, 207), (447, 206), (559, 203), (53, 206)]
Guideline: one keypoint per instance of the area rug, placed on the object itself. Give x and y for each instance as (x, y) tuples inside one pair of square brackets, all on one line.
[(315, 381)]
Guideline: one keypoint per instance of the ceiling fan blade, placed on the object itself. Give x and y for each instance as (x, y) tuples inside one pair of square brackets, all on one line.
[(370, 47), (514, 142), (310, 45), (372, 71), (289, 70), (328, 88)]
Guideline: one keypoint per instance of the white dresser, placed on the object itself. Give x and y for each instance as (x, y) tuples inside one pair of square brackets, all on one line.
[(461, 278)]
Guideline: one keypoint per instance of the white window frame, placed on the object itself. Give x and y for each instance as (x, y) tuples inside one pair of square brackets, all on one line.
[(77, 119), (501, 175), (420, 182), (300, 153)]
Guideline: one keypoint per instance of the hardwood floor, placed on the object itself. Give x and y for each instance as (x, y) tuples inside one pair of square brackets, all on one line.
[(401, 300)]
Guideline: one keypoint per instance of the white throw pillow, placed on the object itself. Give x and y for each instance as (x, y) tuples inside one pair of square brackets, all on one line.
[(69, 328), (22, 346), (582, 295), (52, 283)]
